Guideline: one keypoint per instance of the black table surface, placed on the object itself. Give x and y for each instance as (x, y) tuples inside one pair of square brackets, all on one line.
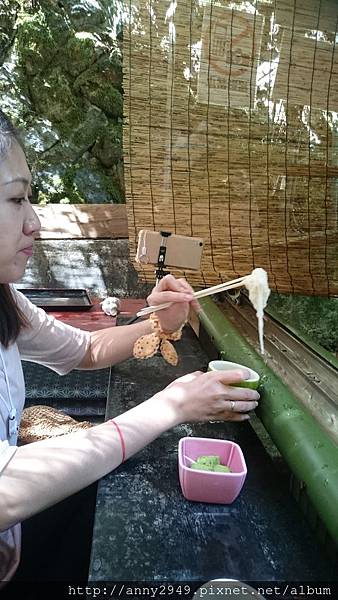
[(146, 530)]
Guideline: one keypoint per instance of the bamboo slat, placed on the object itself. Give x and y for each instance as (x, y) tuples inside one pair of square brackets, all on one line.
[(231, 134)]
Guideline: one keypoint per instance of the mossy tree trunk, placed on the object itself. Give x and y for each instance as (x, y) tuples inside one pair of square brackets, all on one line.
[(61, 82)]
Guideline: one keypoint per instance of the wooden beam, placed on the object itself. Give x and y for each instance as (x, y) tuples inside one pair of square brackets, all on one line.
[(87, 221)]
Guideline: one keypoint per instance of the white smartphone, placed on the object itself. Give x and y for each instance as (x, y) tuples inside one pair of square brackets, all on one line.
[(181, 251)]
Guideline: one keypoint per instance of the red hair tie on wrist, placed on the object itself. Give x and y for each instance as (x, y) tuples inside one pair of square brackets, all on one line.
[(123, 445)]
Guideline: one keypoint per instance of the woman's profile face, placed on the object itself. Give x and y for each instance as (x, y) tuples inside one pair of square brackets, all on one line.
[(19, 223)]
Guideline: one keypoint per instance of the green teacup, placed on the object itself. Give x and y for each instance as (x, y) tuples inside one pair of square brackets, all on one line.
[(225, 365)]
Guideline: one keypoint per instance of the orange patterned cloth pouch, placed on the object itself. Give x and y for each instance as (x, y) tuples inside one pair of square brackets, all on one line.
[(147, 345)]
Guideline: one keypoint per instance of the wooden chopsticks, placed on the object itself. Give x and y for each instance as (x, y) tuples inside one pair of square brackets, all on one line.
[(216, 289)]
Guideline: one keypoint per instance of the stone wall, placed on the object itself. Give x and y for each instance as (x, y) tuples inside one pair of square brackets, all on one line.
[(101, 266)]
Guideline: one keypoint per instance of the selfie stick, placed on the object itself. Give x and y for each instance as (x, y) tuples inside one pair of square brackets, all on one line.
[(160, 273)]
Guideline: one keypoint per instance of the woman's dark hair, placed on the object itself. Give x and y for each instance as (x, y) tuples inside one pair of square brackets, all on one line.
[(8, 134), (11, 317)]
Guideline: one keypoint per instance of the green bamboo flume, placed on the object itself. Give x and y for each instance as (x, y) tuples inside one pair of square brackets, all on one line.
[(309, 452)]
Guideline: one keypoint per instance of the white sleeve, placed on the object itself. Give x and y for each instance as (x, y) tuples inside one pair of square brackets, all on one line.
[(47, 340), (6, 453)]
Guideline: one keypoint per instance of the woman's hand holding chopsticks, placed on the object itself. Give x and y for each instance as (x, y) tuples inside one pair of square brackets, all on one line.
[(185, 288), (175, 296)]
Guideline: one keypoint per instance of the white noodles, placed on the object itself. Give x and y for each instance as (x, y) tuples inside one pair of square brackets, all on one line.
[(259, 292)]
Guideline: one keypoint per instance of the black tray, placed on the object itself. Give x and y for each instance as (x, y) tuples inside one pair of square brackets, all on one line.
[(58, 299)]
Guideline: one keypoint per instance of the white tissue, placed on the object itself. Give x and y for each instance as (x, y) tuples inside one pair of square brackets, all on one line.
[(111, 306)]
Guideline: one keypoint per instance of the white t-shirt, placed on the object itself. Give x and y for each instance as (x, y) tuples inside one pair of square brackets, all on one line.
[(48, 342)]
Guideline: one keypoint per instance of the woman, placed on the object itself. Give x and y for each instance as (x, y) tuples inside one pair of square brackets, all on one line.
[(39, 475)]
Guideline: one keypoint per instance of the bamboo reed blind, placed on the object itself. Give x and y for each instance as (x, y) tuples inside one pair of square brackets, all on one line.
[(231, 134)]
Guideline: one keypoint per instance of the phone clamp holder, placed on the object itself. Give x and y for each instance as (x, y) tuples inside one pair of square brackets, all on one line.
[(160, 272)]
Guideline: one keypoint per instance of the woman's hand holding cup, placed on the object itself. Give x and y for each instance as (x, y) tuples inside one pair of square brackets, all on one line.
[(211, 396)]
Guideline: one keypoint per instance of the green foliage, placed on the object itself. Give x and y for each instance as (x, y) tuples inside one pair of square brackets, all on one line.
[(316, 317), (61, 82), (8, 13)]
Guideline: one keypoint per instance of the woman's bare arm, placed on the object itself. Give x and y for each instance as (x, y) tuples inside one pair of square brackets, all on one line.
[(113, 345), (43, 473)]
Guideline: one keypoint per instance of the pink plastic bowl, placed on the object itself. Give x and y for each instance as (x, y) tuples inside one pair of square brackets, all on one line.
[(207, 486)]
